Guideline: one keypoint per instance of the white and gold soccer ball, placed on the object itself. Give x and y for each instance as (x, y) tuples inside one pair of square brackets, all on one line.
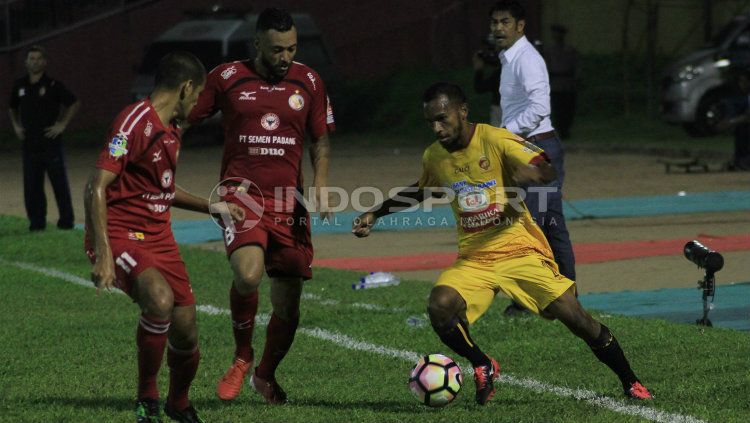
[(435, 380)]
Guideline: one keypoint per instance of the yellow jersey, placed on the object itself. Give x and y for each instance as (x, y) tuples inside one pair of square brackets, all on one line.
[(491, 219)]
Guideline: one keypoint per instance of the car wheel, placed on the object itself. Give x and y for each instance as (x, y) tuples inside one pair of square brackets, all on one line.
[(708, 114)]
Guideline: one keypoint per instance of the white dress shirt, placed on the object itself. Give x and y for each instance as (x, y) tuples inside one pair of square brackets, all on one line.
[(524, 90)]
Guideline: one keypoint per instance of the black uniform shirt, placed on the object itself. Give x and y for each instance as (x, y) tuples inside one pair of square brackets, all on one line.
[(39, 103)]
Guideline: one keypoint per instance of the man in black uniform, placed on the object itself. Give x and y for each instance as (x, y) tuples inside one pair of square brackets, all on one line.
[(562, 64), (40, 110), (489, 83), (736, 108)]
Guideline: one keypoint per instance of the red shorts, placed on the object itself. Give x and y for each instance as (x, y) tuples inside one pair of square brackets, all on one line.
[(133, 257), (284, 238)]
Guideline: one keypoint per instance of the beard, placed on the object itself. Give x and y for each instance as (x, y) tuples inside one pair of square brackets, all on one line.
[(275, 73), (456, 142)]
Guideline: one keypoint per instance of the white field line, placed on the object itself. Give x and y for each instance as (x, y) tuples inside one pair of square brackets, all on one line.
[(329, 302), (345, 341)]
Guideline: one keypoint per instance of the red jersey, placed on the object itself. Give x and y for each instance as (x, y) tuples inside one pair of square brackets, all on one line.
[(143, 153), (265, 123)]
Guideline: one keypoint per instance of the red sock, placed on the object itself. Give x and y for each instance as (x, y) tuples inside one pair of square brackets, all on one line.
[(244, 310), (151, 337), (279, 338), (183, 365)]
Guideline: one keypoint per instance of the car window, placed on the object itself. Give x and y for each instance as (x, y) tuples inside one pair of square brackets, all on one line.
[(238, 50), (726, 31), (311, 52), (743, 40), (209, 53)]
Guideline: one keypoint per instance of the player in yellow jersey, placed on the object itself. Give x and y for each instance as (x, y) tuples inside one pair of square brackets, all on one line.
[(501, 249)]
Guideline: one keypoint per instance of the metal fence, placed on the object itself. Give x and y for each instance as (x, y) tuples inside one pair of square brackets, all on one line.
[(23, 22)]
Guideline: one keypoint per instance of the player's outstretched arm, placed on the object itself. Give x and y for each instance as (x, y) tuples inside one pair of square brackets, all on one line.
[(406, 198), (319, 150), (95, 204), (540, 173), (188, 201)]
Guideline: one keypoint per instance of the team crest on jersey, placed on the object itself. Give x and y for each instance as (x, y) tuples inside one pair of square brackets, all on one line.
[(166, 178), (118, 147), (149, 128), (270, 121), (228, 72), (484, 163), (472, 200), (296, 101)]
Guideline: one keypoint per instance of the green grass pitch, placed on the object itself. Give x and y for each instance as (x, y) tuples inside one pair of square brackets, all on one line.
[(68, 355)]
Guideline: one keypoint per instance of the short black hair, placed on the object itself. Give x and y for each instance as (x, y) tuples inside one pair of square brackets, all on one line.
[(511, 6), (178, 67), (36, 48), (274, 18), (453, 92)]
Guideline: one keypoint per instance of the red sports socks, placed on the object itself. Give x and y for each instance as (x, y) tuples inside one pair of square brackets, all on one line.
[(183, 365), (243, 310), (279, 338), (151, 337)]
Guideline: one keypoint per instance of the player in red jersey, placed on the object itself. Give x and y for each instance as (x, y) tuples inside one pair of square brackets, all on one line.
[(268, 104), (128, 199)]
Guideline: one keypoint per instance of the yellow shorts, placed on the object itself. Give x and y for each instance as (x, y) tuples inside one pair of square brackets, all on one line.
[(531, 280)]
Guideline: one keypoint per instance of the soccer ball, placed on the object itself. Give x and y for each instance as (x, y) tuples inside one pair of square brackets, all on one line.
[(435, 380)]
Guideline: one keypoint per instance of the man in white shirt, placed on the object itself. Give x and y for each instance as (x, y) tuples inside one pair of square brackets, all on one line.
[(525, 105)]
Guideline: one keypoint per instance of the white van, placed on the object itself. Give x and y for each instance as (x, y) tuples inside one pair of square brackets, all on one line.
[(695, 86), (215, 40)]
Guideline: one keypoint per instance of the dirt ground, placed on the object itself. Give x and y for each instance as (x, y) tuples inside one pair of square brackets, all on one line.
[(589, 175)]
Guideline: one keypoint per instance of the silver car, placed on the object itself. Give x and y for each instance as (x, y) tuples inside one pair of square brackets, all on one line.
[(695, 86)]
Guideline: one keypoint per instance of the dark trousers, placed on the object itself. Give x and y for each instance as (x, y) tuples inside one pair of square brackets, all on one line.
[(552, 220), (563, 111), (37, 161), (741, 159)]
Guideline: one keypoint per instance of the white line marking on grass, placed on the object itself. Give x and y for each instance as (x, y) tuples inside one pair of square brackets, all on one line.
[(375, 307), (353, 344), (54, 273), (598, 400), (590, 397), (211, 310), (345, 341), (329, 302)]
